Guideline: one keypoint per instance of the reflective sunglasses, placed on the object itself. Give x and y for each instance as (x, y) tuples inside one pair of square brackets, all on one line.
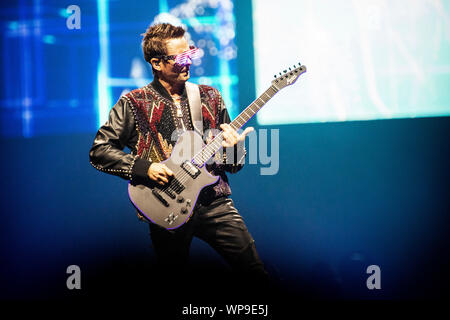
[(183, 58)]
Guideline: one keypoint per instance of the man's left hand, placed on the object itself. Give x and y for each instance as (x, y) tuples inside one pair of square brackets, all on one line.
[(231, 137)]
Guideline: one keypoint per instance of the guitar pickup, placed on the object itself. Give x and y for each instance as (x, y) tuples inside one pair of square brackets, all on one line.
[(170, 193), (191, 169), (160, 198), (176, 186)]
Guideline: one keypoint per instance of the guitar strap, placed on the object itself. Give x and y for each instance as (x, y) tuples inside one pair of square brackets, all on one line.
[(195, 106)]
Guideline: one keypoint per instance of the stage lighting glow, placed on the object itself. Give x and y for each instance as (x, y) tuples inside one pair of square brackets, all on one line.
[(104, 93), (365, 59)]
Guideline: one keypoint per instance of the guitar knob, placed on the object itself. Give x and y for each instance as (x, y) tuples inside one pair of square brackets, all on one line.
[(180, 199), (184, 210)]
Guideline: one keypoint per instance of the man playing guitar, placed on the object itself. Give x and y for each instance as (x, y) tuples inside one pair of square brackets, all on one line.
[(145, 121)]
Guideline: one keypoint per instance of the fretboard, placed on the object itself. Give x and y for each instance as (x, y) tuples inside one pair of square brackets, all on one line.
[(216, 144)]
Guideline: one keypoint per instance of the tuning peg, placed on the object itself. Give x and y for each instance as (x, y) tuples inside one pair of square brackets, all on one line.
[(284, 71), (289, 68), (299, 64), (295, 66), (275, 76), (279, 73)]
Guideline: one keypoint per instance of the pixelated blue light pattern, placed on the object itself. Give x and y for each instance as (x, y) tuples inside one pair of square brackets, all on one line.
[(47, 78), (58, 80)]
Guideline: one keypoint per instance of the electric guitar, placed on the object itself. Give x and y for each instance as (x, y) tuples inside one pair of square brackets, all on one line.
[(171, 205)]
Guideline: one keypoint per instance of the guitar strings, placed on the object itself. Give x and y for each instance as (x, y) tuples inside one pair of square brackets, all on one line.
[(184, 176)]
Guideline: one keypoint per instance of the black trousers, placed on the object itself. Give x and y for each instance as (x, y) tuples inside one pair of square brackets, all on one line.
[(221, 226)]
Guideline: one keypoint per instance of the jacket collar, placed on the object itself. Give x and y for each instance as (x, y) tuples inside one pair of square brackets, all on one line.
[(162, 91)]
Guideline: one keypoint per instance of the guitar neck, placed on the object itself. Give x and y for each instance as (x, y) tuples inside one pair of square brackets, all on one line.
[(216, 144), (253, 108)]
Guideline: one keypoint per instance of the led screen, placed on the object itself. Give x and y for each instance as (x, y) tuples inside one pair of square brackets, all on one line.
[(365, 59), (65, 65)]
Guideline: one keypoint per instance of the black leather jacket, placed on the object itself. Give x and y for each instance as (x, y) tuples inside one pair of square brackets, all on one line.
[(118, 132)]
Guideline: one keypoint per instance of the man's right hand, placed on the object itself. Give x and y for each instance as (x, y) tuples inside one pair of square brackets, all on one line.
[(160, 173)]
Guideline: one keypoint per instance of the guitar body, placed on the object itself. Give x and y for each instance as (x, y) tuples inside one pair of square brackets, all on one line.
[(171, 205)]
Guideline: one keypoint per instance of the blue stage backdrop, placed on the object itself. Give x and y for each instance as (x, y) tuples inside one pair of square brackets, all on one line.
[(348, 194), (61, 79)]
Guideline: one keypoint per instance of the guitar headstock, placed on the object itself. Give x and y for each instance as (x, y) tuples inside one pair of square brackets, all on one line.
[(288, 77)]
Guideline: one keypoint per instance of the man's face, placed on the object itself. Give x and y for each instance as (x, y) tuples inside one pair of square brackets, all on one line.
[(169, 70)]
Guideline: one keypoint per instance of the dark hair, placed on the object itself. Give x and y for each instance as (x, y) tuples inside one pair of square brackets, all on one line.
[(155, 37)]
